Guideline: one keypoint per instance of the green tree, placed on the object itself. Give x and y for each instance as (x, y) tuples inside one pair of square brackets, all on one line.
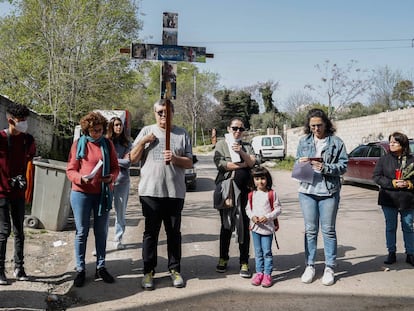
[(403, 91), (62, 56), (266, 90), (195, 99), (235, 104), (354, 110)]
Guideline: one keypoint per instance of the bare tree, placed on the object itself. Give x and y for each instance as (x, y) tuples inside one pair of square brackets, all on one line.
[(340, 86), (297, 101), (383, 83)]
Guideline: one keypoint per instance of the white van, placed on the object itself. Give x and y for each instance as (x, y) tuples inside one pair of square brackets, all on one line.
[(268, 147)]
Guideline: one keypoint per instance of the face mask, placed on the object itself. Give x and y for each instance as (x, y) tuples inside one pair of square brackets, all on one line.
[(21, 126)]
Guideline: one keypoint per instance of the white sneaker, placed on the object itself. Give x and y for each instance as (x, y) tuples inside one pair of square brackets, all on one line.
[(177, 279), (308, 275), (328, 277)]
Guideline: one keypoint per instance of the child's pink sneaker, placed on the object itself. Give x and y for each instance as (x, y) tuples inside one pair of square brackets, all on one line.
[(257, 280), (267, 280)]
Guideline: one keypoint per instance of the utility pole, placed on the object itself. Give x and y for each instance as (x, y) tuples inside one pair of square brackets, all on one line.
[(195, 106)]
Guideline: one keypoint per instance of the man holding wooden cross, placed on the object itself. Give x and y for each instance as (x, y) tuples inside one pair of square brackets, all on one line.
[(162, 190), (165, 152)]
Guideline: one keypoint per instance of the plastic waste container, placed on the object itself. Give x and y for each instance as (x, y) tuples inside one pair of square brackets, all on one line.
[(51, 202)]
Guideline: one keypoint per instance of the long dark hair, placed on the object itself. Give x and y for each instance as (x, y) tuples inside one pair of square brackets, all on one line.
[(318, 113), (261, 172), (402, 139), (122, 138)]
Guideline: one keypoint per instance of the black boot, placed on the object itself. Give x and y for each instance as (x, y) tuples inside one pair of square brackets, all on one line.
[(79, 279), (392, 258), (410, 259)]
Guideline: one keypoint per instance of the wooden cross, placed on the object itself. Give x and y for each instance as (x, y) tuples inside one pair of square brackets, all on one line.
[(169, 53)]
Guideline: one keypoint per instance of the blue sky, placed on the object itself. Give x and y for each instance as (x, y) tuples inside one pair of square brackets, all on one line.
[(233, 29), (279, 40)]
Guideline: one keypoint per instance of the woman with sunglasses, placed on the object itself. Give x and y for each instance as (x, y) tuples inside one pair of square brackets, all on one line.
[(116, 133), (319, 197), (234, 155), (92, 168)]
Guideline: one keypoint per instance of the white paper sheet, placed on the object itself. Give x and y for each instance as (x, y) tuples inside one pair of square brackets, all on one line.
[(94, 171), (235, 157)]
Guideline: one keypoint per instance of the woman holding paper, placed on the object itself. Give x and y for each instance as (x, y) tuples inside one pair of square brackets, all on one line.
[(319, 196), (92, 168), (233, 155)]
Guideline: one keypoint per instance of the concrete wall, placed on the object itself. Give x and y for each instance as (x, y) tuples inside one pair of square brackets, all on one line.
[(40, 128), (362, 130)]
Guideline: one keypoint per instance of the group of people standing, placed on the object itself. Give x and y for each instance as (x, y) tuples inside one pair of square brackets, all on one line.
[(325, 155), (104, 146)]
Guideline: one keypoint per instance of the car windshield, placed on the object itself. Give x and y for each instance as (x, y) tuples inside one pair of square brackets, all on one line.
[(360, 151)]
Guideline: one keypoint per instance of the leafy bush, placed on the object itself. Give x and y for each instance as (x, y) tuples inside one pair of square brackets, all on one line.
[(287, 163)]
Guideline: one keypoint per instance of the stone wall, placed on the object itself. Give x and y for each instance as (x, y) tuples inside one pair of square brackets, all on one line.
[(362, 130)]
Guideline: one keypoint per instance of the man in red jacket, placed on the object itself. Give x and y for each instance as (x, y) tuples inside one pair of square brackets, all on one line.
[(16, 149)]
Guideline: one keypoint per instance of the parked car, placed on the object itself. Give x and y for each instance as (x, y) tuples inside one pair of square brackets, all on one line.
[(268, 147), (362, 161), (191, 176)]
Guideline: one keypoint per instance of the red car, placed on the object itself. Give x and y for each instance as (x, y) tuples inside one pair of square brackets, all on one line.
[(362, 161)]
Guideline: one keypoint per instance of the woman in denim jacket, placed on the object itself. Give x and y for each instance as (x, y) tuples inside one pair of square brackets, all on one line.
[(319, 200)]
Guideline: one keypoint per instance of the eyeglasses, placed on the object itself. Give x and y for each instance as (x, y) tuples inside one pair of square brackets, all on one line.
[(92, 130), (162, 113), (117, 124), (316, 125), (235, 129)]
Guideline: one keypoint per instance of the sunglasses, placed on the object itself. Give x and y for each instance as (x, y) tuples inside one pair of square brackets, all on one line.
[(162, 113), (235, 129)]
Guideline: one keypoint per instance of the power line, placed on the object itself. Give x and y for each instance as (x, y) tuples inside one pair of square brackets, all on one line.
[(311, 50), (299, 41)]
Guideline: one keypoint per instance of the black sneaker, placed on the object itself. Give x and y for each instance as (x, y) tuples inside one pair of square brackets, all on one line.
[(20, 274), (222, 265), (104, 275), (79, 279), (3, 278)]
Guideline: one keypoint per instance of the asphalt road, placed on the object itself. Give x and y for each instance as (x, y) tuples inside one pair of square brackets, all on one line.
[(362, 280)]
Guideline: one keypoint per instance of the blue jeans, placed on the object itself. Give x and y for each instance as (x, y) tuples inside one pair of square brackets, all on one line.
[(323, 210), (391, 219), (121, 193), (82, 205), (263, 252)]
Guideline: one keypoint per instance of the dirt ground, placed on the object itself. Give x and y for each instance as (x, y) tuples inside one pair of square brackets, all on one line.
[(47, 259), (362, 281)]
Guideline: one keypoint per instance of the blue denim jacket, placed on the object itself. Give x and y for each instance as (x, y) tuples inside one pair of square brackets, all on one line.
[(335, 159)]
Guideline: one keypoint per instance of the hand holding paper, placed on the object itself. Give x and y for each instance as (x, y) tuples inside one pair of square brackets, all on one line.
[(235, 157), (303, 171)]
